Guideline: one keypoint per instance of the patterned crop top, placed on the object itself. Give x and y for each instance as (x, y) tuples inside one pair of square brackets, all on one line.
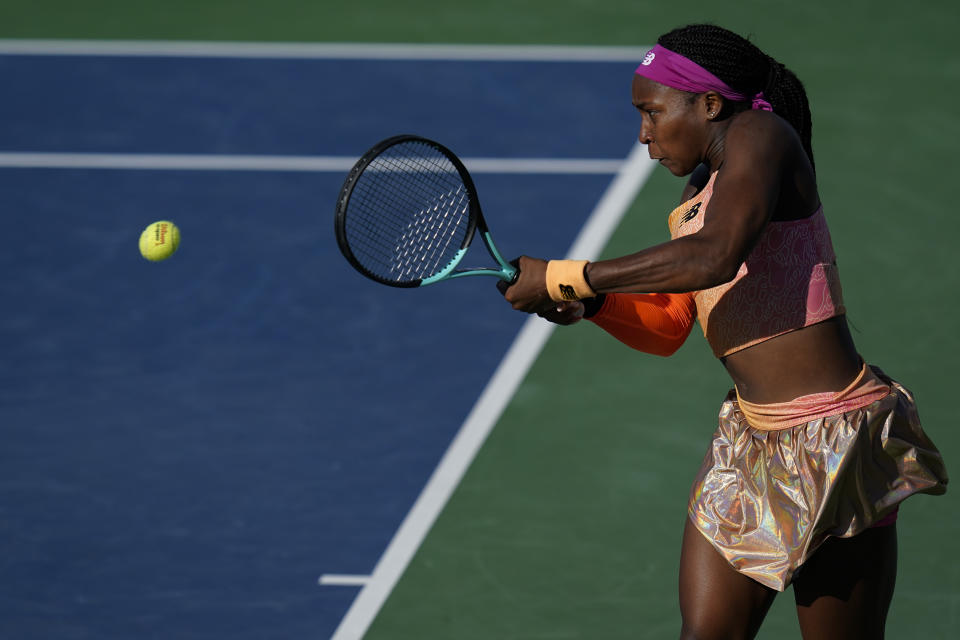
[(789, 280)]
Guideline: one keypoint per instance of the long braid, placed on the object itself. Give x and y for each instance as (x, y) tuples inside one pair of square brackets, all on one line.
[(747, 69)]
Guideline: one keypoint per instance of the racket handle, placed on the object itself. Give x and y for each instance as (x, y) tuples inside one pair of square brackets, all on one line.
[(508, 276)]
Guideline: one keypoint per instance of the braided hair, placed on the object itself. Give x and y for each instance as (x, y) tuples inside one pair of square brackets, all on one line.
[(746, 69)]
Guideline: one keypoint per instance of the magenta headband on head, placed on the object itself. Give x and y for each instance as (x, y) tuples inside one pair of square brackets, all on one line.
[(674, 70)]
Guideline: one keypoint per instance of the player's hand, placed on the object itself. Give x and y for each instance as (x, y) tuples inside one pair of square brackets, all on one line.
[(529, 292), (564, 313)]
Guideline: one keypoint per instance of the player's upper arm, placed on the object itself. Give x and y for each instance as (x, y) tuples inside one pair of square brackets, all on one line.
[(746, 189)]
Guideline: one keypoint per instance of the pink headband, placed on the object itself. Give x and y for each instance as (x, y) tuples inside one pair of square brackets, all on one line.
[(674, 70)]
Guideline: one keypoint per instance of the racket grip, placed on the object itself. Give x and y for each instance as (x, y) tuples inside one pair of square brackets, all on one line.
[(509, 273)]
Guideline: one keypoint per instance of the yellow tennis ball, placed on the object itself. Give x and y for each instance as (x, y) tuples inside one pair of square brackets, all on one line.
[(159, 240)]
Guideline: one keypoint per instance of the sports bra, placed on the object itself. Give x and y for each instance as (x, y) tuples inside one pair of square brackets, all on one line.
[(788, 281)]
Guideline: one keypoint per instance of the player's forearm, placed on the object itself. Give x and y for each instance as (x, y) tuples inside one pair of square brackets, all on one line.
[(684, 264)]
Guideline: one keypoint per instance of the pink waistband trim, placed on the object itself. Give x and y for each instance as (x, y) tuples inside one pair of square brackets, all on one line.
[(865, 389)]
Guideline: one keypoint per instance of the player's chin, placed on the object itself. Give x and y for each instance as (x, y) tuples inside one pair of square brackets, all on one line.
[(678, 169)]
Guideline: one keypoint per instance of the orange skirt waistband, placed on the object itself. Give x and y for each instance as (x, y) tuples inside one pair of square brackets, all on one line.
[(865, 389)]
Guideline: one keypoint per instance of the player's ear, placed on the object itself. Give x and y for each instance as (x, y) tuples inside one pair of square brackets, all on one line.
[(712, 103)]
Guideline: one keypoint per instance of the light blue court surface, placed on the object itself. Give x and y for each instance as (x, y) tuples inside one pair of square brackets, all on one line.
[(189, 445)]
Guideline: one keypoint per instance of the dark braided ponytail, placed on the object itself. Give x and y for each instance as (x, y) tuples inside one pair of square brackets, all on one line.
[(746, 69)]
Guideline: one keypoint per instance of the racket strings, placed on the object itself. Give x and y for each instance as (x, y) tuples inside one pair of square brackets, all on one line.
[(428, 237), (408, 214)]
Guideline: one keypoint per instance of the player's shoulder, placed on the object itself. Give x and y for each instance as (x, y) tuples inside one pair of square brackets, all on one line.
[(760, 124), (761, 134)]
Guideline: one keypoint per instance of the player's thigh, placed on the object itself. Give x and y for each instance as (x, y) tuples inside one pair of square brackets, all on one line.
[(844, 590), (715, 600)]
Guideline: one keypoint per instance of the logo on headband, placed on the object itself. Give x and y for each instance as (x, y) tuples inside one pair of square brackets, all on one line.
[(647, 59)]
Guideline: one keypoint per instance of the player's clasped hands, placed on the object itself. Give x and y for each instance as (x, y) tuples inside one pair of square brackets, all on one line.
[(529, 293), (564, 313)]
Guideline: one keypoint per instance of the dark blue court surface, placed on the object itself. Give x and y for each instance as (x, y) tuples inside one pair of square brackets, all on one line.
[(189, 445)]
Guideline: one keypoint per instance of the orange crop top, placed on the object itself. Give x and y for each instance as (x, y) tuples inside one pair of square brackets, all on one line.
[(789, 280)]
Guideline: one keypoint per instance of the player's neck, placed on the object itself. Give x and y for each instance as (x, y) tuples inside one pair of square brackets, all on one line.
[(716, 148)]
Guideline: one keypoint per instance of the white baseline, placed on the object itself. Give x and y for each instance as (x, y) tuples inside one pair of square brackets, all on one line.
[(322, 50)]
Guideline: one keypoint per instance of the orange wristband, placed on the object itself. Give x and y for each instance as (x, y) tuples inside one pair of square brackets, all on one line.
[(566, 280)]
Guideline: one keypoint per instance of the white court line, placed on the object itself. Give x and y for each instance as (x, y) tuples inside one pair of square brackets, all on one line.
[(485, 413), (195, 162), (324, 50), (340, 580)]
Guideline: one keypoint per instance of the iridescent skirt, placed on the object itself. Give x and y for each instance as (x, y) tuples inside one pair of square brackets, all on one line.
[(767, 500)]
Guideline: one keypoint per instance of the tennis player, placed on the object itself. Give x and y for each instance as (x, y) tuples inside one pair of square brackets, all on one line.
[(814, 449)]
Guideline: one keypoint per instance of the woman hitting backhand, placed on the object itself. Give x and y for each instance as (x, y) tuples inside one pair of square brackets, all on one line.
[(814, 449)]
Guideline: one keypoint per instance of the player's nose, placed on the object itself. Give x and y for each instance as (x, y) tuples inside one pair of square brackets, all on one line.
[(645, 136)]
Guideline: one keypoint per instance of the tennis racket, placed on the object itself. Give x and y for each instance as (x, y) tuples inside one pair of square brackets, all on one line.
[(407, 214)]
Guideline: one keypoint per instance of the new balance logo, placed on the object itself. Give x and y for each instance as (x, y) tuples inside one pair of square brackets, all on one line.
[(691, 213), (567, 292)]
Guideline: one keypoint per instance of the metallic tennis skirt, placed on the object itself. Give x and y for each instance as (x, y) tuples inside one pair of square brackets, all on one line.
[(767, 499)]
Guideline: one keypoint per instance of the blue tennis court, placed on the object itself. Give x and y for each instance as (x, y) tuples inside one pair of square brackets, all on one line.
[(190, 445)]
